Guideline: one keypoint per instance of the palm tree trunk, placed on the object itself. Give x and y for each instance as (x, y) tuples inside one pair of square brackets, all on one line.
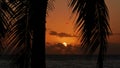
[(100, 58), (38, 20)]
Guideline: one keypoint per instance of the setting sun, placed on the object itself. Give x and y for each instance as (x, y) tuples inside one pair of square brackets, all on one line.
[(65, 44)]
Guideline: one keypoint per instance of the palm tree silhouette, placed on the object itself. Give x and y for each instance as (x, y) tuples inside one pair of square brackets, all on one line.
[(23, 20), (92, 21), (15, 30), (38, 16)]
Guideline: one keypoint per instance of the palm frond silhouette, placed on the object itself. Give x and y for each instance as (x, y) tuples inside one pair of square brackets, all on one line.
[(14, 19), (92, 22), (21, 21)]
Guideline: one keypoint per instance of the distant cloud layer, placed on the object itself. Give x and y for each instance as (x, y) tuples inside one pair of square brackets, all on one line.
[(59, 48), (61, 34)]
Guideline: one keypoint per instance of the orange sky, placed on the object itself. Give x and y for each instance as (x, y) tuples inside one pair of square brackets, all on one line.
[(59, 20), (60, 24), (114, 13)]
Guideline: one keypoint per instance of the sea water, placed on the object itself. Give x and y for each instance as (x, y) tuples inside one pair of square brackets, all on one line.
[(74, 61)]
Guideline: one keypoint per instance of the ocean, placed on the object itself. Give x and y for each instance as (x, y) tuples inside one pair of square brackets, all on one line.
[(72, 61), (78, 61)]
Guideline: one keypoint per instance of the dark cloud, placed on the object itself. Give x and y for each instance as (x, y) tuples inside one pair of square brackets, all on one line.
[(61, 34), (64, 35), (53, 33), (59, 48)]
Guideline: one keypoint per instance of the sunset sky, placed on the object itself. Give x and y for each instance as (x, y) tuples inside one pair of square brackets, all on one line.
[(60, 27)]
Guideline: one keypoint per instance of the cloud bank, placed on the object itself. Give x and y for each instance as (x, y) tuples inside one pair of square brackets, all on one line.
[(59, 48), (62, 34)]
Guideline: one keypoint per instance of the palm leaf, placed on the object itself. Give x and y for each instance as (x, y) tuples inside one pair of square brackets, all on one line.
[(92, 23), (14, 18)]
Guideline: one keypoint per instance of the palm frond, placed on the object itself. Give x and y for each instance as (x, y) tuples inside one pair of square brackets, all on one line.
[(14, 18), (92, 23)]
